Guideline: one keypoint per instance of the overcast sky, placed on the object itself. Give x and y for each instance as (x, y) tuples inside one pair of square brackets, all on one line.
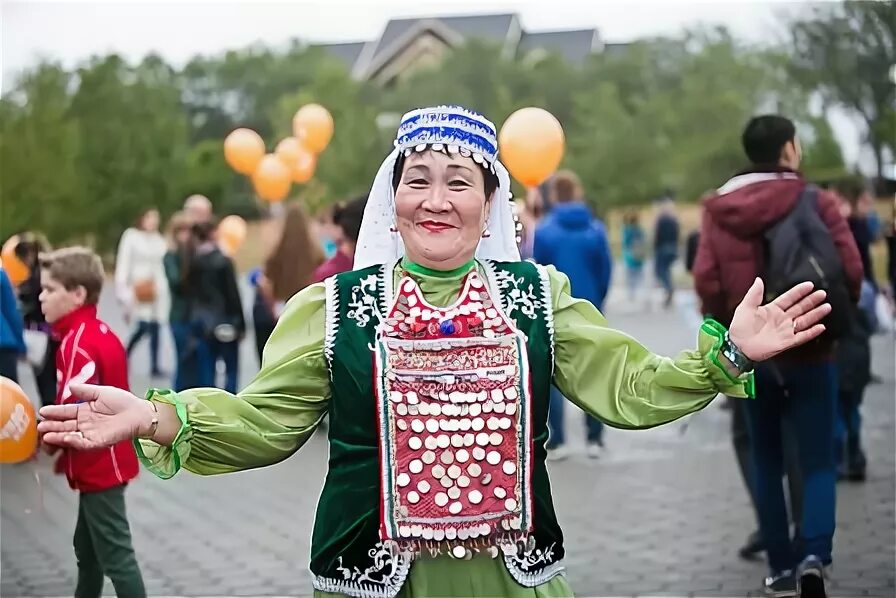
[(70, 31)]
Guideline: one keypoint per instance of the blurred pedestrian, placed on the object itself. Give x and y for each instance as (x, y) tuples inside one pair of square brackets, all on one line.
[(179, 245), (348, 219), (288, 269), (798, 388), (12, 342), (665, 245), (140, 283), (571, 239), (634, 253), (37, 330)]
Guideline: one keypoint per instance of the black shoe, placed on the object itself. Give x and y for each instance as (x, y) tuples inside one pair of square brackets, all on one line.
[(750, 551), (811, 581), (780, 585), (855, 473)]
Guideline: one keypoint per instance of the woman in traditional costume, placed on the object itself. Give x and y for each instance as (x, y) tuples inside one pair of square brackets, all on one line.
[(434, 358)]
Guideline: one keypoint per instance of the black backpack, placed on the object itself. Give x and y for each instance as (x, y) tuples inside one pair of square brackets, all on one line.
[(799, 248)]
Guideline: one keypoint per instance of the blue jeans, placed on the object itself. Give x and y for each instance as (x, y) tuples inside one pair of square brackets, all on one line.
[(804, 395), (229, 353), (195, 361), (151, 328), (663, 261), (557, 437)]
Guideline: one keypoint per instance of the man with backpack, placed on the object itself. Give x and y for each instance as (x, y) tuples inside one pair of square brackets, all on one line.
[(768, 222)]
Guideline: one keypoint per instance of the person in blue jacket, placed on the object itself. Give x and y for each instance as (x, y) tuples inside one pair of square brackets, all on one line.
[(12, 341), (571, 239)]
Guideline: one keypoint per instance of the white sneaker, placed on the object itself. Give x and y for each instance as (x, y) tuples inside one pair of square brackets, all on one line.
[(559, 453), (594, 450)]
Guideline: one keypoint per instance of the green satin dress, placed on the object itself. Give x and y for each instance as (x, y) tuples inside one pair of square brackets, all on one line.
[(603, 371)]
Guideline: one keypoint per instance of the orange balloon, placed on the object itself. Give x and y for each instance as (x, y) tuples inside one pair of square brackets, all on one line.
[(303, 167), (271, 179), (299, 160), (231, 233), (243, 150), (15, 268), (288, 150), (18, 424), (312, 125), (531, 145)]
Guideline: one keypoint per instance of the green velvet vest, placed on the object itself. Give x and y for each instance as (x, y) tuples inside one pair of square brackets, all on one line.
[(347, 555)]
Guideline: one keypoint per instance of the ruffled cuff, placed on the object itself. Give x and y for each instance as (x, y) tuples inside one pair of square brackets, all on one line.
[(165, 461), (711, 339)]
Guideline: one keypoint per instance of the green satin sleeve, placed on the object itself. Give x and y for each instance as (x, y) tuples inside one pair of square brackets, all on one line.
[(619, 381), (267, 421)]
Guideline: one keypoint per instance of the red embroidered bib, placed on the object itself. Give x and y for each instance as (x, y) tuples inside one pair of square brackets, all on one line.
[(455, 432)]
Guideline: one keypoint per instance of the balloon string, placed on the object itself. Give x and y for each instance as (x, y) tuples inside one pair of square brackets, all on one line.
[(32, 464)]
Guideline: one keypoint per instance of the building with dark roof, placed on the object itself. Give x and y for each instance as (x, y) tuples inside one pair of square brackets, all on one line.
[(407, 45)]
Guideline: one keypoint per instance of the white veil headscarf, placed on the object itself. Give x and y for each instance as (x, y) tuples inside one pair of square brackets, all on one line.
[(442, 128)]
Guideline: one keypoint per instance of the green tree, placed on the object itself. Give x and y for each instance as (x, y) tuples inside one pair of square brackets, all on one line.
[(846, 51), (40, 183), (822, 156), (133, 143)]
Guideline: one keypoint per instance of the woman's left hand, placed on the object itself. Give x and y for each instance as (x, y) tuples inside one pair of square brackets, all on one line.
[(763, 331)]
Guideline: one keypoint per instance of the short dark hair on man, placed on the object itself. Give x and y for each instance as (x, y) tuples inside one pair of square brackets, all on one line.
[(765, 136), (348, 217)]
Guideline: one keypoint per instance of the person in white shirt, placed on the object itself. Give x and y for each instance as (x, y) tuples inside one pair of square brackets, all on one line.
[(140, 282)]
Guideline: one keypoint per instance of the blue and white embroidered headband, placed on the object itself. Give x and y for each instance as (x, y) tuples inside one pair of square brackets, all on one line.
[(451, 129)]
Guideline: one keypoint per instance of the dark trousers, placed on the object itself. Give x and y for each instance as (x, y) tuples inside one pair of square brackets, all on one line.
[(195, 362), (740, 438), (103, 546), (557, 437), (848, 436), (9, 364), (805, 396), (184, 369), (152, 329), (264, 327), (229, 353), (45, 375)]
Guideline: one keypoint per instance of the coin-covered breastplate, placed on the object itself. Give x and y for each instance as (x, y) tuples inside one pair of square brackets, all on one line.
[(453, 413)]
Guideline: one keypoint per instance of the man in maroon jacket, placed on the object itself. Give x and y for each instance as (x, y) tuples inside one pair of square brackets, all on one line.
[(800, 386), (71, 281)]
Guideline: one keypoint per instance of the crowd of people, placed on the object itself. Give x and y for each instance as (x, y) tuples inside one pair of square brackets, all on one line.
[(805, 424)]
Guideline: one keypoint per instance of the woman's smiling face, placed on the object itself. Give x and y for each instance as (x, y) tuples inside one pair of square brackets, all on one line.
[(441, 209)]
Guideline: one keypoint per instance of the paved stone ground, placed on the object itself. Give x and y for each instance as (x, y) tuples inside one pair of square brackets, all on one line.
[(661, 514)]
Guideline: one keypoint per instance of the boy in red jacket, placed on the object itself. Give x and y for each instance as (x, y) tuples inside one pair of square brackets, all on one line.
[(71, 280)]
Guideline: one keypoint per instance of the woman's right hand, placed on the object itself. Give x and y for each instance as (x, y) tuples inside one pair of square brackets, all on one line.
[(104, 416)]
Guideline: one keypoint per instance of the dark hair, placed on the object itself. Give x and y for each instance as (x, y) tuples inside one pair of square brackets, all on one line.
[(138, 223), (765, 136), (348, 217), (205, 230), (200, 232), (490, 178)]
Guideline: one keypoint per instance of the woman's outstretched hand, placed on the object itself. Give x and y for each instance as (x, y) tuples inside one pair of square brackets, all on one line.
[(763, 331), (104, 416)]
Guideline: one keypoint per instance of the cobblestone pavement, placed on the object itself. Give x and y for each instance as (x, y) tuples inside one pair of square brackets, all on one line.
[(661, 513)]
